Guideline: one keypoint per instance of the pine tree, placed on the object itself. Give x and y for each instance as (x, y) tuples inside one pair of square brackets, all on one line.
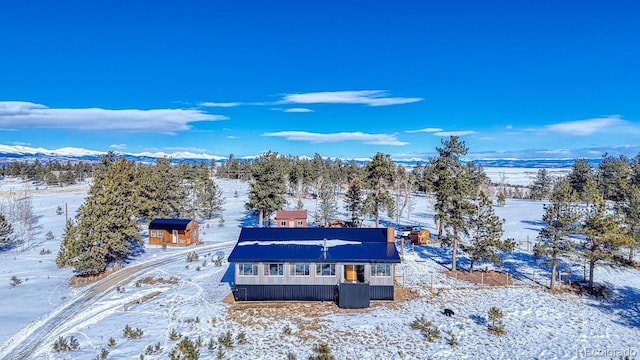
[(561, 218), (630, 208), (378, 180), (353, 198), (328, 205), (605, 234), (267, 189), (454, 191), (486, 232), (542, 185), (106, 230), (581, 179), (6, 231), (613, 177), (209, 199)]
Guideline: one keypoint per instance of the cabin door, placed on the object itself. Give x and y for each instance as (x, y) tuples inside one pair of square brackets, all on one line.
[(174, 236)]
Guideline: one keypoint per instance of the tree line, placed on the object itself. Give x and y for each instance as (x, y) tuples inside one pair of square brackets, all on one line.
[(123, 194)]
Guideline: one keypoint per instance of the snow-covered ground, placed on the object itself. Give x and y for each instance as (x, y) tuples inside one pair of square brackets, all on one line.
[(187, 298)]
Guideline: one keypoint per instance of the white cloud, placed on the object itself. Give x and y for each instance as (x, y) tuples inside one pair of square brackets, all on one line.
[(427, 130), (366, 97), (118, 146), (454, 133), (373, 139), (215, 104), (298, 110), (19, 114), (232, 137), (585, 127)]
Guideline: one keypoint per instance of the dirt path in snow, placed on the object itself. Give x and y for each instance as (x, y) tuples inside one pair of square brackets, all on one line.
[(28, 342)]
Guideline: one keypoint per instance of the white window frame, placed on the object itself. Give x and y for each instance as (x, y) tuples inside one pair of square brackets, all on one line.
[(241, 267), (267, 269), (319, 268), (304, 267), (380, 270)]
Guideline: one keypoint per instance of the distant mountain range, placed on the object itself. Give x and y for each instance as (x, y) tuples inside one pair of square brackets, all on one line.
[(10, 153)]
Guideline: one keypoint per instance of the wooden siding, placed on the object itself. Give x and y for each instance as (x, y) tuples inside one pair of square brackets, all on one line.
[(187, 237)]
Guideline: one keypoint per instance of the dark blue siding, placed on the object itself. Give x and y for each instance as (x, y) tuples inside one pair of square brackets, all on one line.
[(354, 295), (381, 292), (284, 292)]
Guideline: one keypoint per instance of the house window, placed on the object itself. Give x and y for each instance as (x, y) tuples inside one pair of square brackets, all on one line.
[(274, 269), (156, 233), (381, 270), (247, 269), (300, 269), (326, 269), (283, 223), (299, 222)]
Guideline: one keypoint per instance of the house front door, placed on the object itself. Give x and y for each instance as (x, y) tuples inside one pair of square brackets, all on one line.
[(174, 236)]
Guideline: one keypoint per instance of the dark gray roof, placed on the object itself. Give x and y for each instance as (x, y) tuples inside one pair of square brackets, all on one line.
[(169, 224)]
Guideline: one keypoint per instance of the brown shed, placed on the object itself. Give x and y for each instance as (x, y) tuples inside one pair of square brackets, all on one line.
[(291, 218), (173, 232)]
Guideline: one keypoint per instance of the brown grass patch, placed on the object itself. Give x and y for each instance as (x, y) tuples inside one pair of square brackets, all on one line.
[(151, 280), (82, 280), (490, 278), (142, 299)]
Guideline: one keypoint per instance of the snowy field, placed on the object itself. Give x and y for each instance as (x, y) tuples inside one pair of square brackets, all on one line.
[(178, 297)]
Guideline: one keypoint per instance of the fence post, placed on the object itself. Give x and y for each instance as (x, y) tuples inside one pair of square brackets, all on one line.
[(431, 282)]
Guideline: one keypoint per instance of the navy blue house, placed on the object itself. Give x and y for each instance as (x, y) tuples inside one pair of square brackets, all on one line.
[(350, 266)]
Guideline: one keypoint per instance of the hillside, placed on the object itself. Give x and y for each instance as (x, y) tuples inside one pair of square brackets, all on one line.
[(162, 294)]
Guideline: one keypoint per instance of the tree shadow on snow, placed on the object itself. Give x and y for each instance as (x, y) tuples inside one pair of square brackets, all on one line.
[(249, 219), (478, 319), (525, 266), (623, 303)]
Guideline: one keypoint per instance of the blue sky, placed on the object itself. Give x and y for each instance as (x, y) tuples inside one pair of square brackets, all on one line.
[(515, 79)]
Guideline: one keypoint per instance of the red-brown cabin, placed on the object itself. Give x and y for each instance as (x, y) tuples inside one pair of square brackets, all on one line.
[(173, 232), (291, 218)]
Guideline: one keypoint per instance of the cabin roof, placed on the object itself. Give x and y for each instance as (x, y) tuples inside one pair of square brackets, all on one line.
[(291, 214), (169, 224), (314, 245)]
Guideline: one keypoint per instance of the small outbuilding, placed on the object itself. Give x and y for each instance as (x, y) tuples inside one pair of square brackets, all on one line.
[(350, 266), (173, 232), (291, 218)]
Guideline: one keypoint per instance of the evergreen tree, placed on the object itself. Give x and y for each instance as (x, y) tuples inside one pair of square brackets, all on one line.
[(160, 192), (106, 230), (605, 234), (379, 177), (542, 185), (501, 198), (613, 177), (268, 187), (581, 179), (328, 205), (453, 188), (630, 208), (561, 218), (486, 232), (6, 231), (353, 199), (209, 199)]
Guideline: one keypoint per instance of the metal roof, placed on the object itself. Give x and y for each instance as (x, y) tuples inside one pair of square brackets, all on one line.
[(314, 245), (169, 224)]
